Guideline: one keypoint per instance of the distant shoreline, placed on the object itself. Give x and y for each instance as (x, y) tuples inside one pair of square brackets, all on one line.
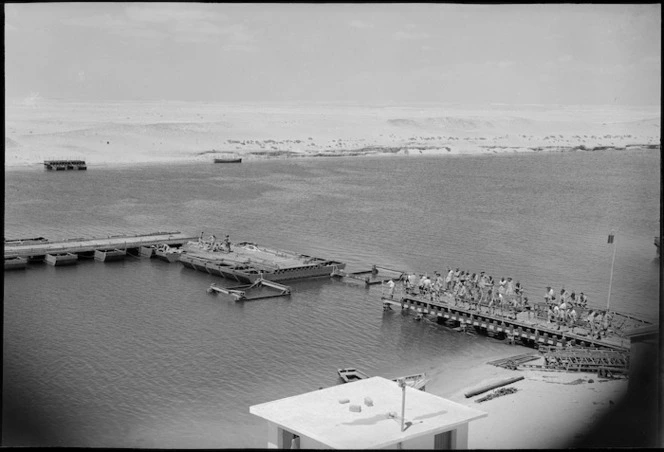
[(373, 151), (136, 133)]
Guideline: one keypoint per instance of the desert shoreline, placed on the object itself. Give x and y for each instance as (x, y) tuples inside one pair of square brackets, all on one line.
[(376, 152), (116, 133)]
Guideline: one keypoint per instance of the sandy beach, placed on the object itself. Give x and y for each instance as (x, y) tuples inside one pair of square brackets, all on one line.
[(549, 410), (116, 133)]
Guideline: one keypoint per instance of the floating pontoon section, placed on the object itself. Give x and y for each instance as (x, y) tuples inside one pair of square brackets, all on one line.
[(15, 263), (377, 275), (61, 259), (243, 292)]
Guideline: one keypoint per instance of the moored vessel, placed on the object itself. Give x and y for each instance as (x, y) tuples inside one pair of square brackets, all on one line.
[(63, 165), (417, 381), (228, 160), (349, 374), (247, 262)]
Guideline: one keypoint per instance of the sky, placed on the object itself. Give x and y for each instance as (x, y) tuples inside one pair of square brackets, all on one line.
[(562, 54)]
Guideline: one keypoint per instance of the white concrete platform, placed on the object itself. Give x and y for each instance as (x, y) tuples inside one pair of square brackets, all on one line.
[(322, 421)]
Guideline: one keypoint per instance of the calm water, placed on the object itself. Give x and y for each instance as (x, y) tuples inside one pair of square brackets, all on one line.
[(138, 354)]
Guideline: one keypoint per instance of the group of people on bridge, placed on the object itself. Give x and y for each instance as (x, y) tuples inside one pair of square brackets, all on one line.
[(466, 288), (475, 291)]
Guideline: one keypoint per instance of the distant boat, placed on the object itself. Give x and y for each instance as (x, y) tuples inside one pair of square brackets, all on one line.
[(64, 165), (228, 160)]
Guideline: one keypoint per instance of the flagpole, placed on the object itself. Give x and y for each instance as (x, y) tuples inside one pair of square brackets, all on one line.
[(613, 260), (402, 384)]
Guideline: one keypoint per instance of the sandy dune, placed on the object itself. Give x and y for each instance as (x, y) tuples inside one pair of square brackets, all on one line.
[(152, 132)]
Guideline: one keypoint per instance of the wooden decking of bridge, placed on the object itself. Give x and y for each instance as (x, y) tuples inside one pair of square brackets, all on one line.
[(533, 330), (82, 245)]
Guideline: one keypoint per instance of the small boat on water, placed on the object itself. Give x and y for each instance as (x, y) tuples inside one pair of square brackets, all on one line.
[(15, 263), (350, 374), (228, 160), (61, 259)]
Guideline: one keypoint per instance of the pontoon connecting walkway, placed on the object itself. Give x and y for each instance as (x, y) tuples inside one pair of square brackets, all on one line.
[(82, 245), (527, 327)]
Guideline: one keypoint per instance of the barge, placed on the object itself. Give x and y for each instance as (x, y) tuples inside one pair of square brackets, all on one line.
[(63, 165), (247, 262)]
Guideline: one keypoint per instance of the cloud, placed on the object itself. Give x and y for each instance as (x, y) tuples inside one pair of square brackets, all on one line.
[(184, 23), (234, 36), (115, 25), (171, 12), (196, 23), (407, 35), (565, 58), (240, 47), (356, 23)]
